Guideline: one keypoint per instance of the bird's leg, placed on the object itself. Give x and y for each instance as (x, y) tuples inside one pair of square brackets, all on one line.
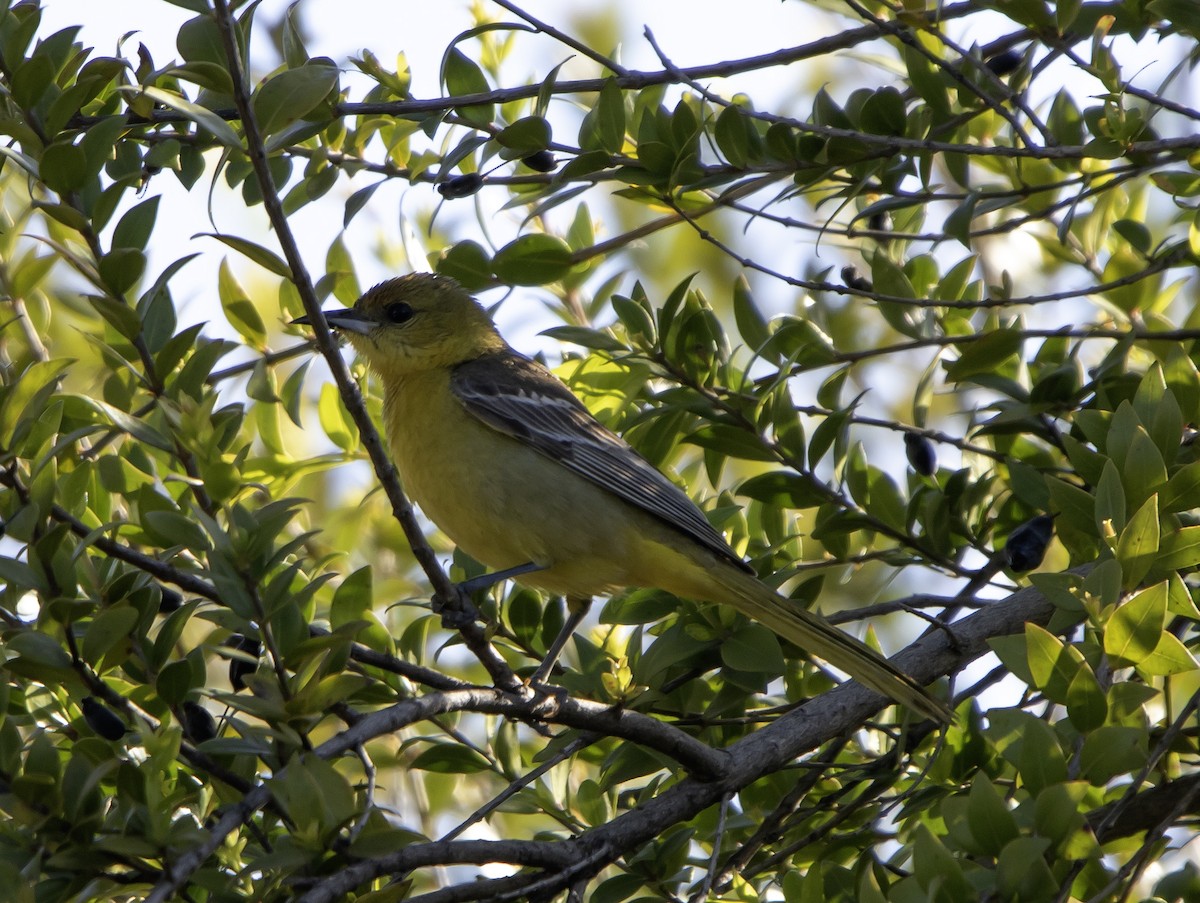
[(483, 581), (577, 608), (464, 613)]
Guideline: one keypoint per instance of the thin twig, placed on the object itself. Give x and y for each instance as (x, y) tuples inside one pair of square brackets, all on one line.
[(564, 38)]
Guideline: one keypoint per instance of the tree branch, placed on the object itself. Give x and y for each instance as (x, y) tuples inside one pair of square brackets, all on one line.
[(832, 715), (473, 635)]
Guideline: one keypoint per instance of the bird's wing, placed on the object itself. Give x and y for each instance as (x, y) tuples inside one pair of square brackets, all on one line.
[(521, 399)]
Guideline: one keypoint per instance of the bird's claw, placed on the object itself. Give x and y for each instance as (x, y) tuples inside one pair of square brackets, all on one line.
[(456, 615), (547, 699)]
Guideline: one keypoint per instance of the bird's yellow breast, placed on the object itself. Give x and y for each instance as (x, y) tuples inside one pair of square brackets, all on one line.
[(502, 502)]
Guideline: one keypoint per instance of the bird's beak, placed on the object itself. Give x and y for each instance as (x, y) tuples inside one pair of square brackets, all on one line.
[(349, 320)]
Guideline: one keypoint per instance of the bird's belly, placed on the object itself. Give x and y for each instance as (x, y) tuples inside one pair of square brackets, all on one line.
[(519, 506)]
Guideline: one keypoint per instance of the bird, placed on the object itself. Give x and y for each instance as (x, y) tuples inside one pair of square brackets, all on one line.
[(514, 469)]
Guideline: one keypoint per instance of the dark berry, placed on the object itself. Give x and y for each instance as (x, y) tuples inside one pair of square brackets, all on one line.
[(460, 186), (921, 454), (103, 720), (1027, 544)]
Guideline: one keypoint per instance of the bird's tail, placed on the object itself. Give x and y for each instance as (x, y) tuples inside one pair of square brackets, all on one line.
[(814, 634)]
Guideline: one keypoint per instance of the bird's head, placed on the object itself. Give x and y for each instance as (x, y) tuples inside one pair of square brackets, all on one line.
[(417, 322)]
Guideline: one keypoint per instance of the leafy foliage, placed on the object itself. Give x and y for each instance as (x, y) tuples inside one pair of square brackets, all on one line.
[(226, 677)]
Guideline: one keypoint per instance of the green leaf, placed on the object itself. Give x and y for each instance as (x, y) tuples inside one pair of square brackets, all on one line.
[(109, 627), (1182, 490), (468, 263), (886, 502), (1038, 755), (445, 758), (38, 649), (736, 137), (785, 489), (1052, 664), (525, 614), (268, 260), (1137, 547), (1134, 629), (1183, 379), (800, 341), (1179, 550), (314, 791), (339, 266), (525, 136), (1013, 652), (1111, 751), (1087, 706), (992, 824), (1144, 471), (174, 681), (588, 338), (335, 420), (462, 76), (883, 113), (121, 268), (674, 646), (1159, 412), (593, 803), (200, 39), (1110, 499), (1058, 812), (604, 126), (1075, 526), (639, 607), (753, 648), (637, 317), (958, 223), (135, 427), (174, 529), (933, 865), (170, 632), (750, 323), (730, 440), (64, 167), (31, 79), (292, 94), (213, 76), (357, 201), (24, 402), (926, 79), (133, 231), (17, 575), (203, 117), (292, 393), (1170, 656), (239, 310), (352, 599), (1021, 869), (1179, 599), (533, 259), (985, 355)]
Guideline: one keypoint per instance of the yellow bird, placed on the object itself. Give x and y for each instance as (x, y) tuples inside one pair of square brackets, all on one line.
[(512, 467)]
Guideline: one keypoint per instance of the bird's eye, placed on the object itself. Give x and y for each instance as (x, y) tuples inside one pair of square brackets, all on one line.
[(398, 312)]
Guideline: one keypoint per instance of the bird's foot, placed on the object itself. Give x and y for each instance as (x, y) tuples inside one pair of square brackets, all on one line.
[(457, 613), (547, 699)]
